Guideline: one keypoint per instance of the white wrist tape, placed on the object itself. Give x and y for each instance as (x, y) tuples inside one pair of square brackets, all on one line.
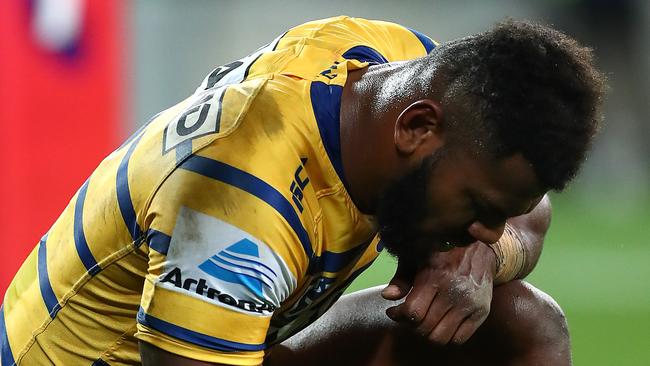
[(511, 255)]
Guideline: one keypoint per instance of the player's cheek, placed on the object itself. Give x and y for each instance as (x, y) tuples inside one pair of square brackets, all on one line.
[(440, 214), (451, 222)]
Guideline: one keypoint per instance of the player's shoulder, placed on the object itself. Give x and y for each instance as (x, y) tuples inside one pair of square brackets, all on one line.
[(161, 147), (237, 173), (392, 36), (343, 23)]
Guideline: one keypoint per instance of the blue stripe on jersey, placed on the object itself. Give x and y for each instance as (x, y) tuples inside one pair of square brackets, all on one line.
[(158, 241), (334, 262), (124, 194), (326, 103), (51, 302), (249, 183), (365, 54), (193, 337), (100, 362), (380, 246), (5, 351), (80, 242), (426, 41)]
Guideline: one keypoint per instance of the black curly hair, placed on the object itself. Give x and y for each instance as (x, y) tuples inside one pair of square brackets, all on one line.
[(530, 89)]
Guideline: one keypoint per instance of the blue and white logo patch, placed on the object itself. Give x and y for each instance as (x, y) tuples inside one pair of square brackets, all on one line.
[(240, 264), (217, 262)]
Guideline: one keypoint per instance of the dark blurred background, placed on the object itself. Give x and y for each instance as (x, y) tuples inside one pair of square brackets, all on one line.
[(79, 76)]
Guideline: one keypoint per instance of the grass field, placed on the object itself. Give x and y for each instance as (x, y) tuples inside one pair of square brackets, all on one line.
[(596, 264)]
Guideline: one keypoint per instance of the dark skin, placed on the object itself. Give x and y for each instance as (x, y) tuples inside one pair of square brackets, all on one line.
[(448, 295), (444, 304), (478, 196), (525, 327)]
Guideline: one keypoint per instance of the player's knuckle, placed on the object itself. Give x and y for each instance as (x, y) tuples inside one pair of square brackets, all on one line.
[(459, 339), (423, 330), (434, 338), (467, 310), (482, 312), (413, 313), (415, 317), (438, 336)]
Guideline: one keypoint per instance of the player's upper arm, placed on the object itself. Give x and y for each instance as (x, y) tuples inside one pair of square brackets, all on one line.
[(533, 227), (536, 222), (217, 272)]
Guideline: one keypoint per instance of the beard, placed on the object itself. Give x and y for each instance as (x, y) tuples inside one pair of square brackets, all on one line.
[(401, 209)]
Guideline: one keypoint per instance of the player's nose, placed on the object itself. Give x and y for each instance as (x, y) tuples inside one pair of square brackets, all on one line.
[(488, 235)]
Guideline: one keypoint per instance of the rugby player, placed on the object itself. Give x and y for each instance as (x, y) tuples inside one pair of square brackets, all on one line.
[(234, 219)]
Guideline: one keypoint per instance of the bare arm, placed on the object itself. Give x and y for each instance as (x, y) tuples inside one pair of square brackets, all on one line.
[(450, 297), (154, 356), (525, 327), (532, 228)]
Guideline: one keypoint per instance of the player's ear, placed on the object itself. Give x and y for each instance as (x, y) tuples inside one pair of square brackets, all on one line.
[(418, 128)]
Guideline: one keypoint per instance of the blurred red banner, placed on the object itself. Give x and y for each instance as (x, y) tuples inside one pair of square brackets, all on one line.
[(61, 108)]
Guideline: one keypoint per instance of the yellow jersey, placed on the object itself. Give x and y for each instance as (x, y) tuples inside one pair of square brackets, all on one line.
[(221, 227)]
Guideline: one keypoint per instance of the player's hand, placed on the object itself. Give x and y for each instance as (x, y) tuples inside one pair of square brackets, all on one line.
[(449, 298)]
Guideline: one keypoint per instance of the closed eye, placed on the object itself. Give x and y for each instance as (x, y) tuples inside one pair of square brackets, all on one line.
[(488, 215)]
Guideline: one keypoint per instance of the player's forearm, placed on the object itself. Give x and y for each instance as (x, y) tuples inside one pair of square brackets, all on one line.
[(521, 244), (151, 355)]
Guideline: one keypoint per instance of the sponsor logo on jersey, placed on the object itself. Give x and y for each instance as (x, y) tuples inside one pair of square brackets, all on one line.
[(215, 261), (200, 287)]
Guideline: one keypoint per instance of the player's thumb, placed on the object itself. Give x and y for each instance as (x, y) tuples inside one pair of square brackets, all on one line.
[(400, 285)]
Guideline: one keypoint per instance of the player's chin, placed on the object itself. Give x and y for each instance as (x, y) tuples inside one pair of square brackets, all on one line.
[(398, 242)]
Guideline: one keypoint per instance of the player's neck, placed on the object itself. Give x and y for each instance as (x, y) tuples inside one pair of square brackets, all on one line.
[(362, 150)]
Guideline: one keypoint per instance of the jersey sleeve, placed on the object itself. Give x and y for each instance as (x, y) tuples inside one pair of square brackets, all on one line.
[(214, 277)]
